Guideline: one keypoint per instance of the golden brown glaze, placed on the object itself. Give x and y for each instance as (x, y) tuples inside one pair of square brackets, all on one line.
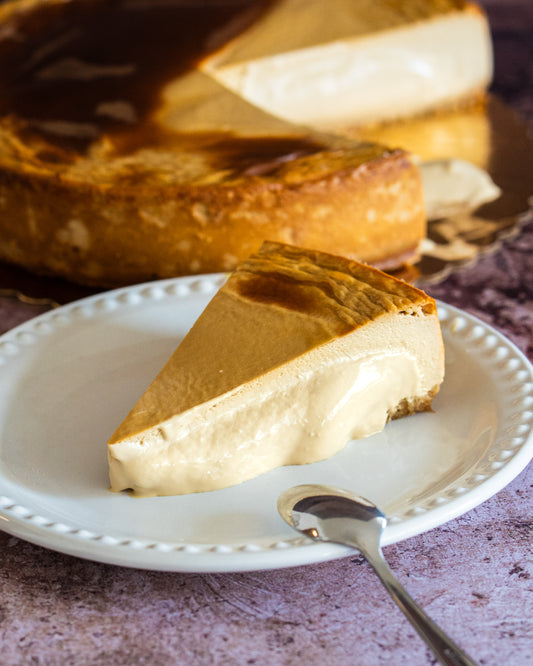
[(318, 284)]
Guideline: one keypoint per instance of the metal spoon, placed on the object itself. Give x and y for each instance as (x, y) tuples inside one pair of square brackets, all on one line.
[(330, 514)]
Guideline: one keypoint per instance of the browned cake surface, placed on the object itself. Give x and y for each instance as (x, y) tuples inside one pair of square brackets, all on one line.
[(343, 294), (119, 162)]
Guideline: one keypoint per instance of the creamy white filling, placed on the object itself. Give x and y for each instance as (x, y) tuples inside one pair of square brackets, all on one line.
[(290, 420), (384, 75), (300, 412), (305, 421)]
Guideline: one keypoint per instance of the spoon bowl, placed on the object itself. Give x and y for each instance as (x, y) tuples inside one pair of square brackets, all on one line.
[(324, 513), (334, 515)]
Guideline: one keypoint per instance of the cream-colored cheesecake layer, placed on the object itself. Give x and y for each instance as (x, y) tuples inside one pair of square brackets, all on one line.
[(297, 352), (300, 412), (357, 63)]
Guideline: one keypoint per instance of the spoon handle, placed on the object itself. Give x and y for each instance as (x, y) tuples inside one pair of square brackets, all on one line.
[(446, 651)]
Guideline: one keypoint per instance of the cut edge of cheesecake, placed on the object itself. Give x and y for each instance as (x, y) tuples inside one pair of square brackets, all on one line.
[(298, 352)]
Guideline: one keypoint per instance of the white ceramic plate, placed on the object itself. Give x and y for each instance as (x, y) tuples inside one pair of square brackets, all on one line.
[(67, 379)]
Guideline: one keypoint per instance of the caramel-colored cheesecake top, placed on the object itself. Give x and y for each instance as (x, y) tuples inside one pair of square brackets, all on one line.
[(334, 289), (285, 300)]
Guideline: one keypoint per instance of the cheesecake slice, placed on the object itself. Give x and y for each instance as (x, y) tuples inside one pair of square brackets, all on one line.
[(344, 63), (298, 352)]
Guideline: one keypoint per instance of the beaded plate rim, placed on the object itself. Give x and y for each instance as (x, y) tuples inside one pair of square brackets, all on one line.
[(508, 455)]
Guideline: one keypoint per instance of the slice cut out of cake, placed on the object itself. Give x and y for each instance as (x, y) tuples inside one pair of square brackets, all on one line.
[(298, 352)]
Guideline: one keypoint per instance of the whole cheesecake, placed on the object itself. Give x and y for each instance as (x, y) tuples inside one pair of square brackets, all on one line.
[(121, 160), (298, 352)]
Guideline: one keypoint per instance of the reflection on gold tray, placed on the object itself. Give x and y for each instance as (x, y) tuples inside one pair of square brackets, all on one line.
[(492, 137)]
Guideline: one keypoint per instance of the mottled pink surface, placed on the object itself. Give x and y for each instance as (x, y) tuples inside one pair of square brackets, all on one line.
[(473, 575)]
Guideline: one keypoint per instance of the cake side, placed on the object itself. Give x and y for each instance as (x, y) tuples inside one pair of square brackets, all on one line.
[(459, 133), (111, 234)]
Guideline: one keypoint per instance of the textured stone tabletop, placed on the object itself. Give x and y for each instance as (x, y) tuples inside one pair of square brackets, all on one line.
[(473, 575)]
